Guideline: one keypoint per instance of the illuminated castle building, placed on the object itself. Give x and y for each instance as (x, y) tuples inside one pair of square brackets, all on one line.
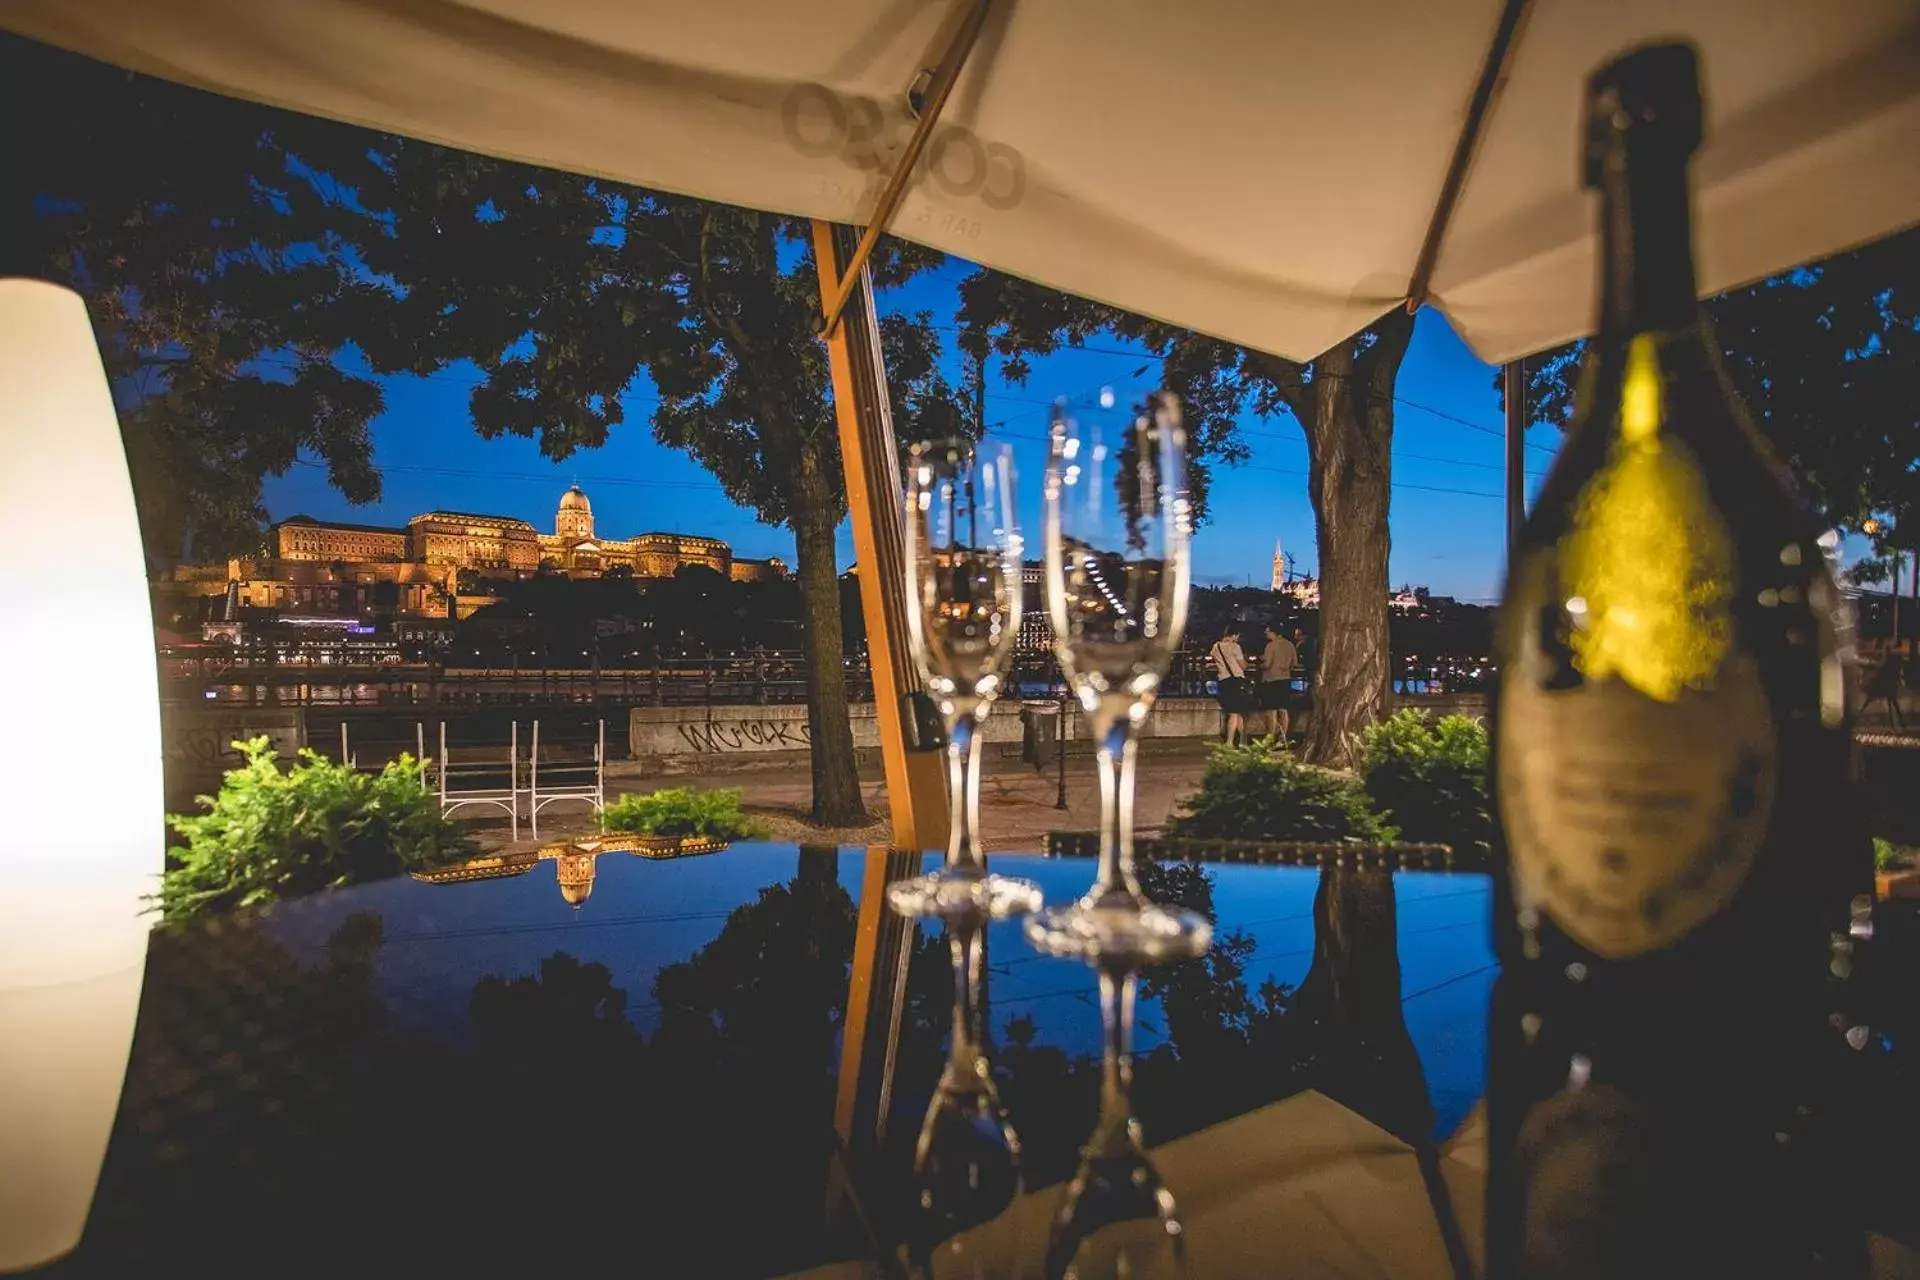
[(326, 567)]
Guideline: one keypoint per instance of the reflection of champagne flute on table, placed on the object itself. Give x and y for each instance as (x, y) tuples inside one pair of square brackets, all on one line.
[(963, 612), (1118, 522), (967, 1161)]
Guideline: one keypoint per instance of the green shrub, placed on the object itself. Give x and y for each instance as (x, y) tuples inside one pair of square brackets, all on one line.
[(1429, 778), (1258, 792), (1888, 856), (682, 811), (270, 834)]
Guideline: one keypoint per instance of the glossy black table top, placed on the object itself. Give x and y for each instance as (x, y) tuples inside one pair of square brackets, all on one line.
[(653, 1081), (716, 1065)]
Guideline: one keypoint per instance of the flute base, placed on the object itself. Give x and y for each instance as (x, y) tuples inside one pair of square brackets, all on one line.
[(1120, 933), (966, 1168), (1118, 1221), (956, 894)]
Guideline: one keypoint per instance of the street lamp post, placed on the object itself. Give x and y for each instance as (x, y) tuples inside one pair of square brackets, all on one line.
[(1873, 528), (1060, 753)]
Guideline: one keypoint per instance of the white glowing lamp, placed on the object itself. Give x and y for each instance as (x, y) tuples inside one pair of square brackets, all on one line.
[(80, 759)]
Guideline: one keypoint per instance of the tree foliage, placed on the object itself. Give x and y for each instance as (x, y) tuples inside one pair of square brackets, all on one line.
[(566, 290), (240, 263), (223, 307), (1827, 359), (1427, 776)]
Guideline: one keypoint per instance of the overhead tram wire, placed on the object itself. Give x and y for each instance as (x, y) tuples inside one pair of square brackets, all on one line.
[(1442, 414), (533, 478), (1398, 454), (704, 487), (1083, 397), (1394, 484), (999, 427)]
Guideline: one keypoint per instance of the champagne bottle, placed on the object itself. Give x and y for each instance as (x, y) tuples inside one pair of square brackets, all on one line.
[(1677, 857)]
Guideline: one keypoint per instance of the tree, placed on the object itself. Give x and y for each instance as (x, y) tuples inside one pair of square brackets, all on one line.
[(222, 308), (1826, 358), (1343, 401), (565, 289)]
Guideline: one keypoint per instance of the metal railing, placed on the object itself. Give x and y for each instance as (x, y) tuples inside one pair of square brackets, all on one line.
[(766, 679)]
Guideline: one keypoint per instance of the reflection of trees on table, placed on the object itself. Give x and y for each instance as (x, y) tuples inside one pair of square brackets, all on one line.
[(278, 1088), (1347, 1012), (1228, 1048)]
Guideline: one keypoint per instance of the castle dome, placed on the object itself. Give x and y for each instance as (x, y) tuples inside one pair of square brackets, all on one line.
[(575, 518)]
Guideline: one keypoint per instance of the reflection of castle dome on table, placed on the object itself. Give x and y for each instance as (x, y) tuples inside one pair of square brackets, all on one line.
[(574, 872), (574, 861)]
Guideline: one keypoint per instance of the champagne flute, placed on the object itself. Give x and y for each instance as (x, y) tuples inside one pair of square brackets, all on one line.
[(1118, 521), (963, 552)]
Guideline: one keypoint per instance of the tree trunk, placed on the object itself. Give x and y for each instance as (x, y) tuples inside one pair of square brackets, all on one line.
[(836, 779), (1349, 430)]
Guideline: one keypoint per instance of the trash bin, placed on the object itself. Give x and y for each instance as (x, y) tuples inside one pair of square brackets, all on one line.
[(1039, 731)]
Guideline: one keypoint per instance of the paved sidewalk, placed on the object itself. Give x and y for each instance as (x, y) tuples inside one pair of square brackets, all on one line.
[(1016, 801)]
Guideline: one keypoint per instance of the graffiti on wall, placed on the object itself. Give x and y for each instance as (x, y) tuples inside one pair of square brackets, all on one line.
[(719, 737), (197, 746)]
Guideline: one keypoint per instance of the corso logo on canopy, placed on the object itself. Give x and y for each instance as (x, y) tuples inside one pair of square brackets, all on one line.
[(820, 124)]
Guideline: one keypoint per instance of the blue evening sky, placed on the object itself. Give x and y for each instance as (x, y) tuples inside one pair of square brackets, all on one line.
[(1446, 516)]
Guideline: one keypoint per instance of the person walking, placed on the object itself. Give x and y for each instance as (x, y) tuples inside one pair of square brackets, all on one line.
[(1277, 661), (1230, 674)]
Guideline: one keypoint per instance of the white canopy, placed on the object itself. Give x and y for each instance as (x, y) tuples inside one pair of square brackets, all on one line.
[(1264, 172)]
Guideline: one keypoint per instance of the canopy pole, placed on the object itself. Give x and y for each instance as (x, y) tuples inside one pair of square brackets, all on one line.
[(1514, 388), (916, 780), (896, 189), (1492, 77)]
